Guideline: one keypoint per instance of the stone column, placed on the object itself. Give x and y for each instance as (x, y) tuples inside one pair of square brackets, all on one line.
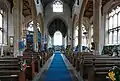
[(89, 37), (80, 24), (17, 24), (34, 15), (67, 39), (96, 23), (40, 20), (2, 42), (63, 42), (42, 34), (72, 34), (52, 40)]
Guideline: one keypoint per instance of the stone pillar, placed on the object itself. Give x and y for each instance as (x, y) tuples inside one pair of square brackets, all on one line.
[(72, 34), (52, 40), (63, 41), (2, 44), (17, 24), (89, 37), (80, 24), (35, 36), (40, 20), (67, 39), (34, 15), (96, 23), (42, 34)]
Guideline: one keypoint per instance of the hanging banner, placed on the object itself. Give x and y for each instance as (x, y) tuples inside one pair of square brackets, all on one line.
[(21, 45), (39, 37), (29, 41), (45, 39)]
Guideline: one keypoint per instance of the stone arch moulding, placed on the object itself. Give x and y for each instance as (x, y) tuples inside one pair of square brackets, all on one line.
[(86, 23), (4, 4), (40, 21), (110, 5), (57, 17), (28, 19), (75, 20)]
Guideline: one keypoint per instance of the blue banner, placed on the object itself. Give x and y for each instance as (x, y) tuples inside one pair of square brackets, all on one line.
[(39, 37), (29, 38), (21, 45)]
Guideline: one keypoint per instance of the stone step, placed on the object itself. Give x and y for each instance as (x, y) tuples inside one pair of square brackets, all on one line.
[(8, 67), (9, 76), (8, 64), (9, 71), (12, 60)]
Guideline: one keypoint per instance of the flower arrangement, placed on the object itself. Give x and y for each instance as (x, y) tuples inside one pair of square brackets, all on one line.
[(114, 73)]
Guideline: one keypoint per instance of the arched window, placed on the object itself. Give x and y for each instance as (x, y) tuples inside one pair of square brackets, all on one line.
[(30, 27), (76, 37), (57, 6), (84, 34), (113, 26), (1, 25)]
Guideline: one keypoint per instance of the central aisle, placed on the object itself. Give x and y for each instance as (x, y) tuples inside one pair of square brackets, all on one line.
[(57, 70)]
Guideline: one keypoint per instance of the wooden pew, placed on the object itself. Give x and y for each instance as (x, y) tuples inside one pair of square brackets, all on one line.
[(10, 69), (98, 65), (93, 67), (101, 66), (35, 60)]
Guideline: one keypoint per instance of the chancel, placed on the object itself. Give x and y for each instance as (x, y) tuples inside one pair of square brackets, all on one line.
[(59, 40)]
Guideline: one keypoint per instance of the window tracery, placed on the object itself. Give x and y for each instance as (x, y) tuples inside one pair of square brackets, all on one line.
[(57, 6), (113, 26)]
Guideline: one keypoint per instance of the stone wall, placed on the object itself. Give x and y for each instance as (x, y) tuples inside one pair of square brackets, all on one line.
[(65, 16)]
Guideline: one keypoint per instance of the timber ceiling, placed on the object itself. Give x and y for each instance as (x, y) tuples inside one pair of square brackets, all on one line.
[(89, 7), (88, 10), (26, 7)]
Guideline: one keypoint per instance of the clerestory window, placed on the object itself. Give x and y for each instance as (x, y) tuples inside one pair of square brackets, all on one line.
[(57, 6)]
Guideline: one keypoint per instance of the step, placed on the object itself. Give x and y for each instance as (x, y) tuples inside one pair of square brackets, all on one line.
[(8, 64), (101, 73), (9, 76), (9, 71), (12, 60), (9, 67)]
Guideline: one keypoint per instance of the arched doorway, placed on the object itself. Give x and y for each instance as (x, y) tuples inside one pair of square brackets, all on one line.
[(58, 38)]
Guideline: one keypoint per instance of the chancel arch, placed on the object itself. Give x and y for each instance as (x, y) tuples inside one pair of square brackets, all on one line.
[(57, 24)]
